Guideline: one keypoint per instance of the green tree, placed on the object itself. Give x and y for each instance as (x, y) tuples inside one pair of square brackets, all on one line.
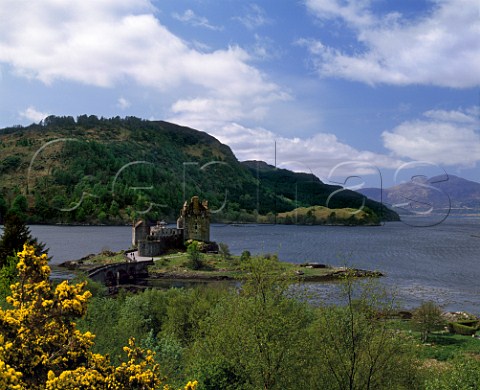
[(3, 208), (246, 255), (427, 318), (356, 349), (20, 206), (224, 251), (15, 235), (114, 209), (255, 339), (194, 255), (43, 212)]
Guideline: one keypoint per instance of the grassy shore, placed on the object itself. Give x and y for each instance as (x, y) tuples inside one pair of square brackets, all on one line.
[(177, 265)]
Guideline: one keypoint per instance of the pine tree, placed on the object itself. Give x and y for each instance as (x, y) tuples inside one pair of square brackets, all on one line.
[(15, 234)]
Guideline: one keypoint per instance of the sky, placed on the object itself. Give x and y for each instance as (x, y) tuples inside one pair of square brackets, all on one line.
[(361, 92)]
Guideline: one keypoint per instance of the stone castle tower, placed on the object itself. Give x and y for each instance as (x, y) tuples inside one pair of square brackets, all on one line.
[(193, 224), (195, 220)]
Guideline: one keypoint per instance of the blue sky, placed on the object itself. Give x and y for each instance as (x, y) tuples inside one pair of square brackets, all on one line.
[(344, 87)]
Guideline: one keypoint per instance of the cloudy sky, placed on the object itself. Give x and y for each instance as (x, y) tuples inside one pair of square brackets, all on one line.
[(364, 87)]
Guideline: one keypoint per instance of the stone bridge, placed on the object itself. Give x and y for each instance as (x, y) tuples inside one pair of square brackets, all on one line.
[(120, 273)]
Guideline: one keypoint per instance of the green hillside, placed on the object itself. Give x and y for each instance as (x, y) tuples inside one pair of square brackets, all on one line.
[(295, 190), (91, 170)]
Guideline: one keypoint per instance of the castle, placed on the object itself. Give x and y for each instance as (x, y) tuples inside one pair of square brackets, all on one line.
[(193, 224)]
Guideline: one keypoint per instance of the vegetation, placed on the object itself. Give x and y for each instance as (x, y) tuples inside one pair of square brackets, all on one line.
[(194, 255), (427, 318), (111, 171), (224, 251), (261, 333), (210, 266), (41, 348), (319, 215), (15, 235), (466, 329)]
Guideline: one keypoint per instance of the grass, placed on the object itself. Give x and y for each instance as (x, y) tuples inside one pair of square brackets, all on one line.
[(176, 265), (441, 346), (102, 258), (444, 346), (215, 266)]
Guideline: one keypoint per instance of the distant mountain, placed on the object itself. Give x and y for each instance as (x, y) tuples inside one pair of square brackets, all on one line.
[(110, 171), (437, 193)]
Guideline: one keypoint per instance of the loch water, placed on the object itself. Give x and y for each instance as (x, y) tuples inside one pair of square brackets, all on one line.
[(439, 262)]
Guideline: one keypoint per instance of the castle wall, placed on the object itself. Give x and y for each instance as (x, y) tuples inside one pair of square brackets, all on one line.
[(165, 232), (156, 246), (149, 248), (140, 232)]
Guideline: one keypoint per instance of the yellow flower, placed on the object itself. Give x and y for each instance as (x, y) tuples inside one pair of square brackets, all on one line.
[(38, 335)]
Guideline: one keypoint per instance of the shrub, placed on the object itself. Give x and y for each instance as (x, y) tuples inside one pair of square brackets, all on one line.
[(246, 255), (224, 251), (41, 347), (459, 328), (427, 318), (194, 255)]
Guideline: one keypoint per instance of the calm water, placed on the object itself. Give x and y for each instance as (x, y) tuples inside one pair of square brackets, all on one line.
[(441, 262)]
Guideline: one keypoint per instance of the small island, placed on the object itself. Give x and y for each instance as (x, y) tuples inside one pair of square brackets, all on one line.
[(187, 253), (193, 264), (320, 215)]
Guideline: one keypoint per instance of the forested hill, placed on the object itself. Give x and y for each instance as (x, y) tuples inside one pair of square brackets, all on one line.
[(91, 170)]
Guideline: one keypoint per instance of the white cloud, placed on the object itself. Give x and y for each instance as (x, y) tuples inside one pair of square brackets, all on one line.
[(123, 103), (318, 154), (32, 114), (443, 137), (116, 42), (265, 49), (441, 48), (254, 17), (352, 11), (191, 18)]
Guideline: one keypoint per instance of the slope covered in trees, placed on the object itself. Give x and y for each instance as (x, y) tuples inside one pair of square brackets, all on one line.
[(91, 170)]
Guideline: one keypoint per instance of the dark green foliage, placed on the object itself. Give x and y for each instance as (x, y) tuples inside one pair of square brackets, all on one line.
[(169, 353), (286, 190), (20, 206), (10, 163), (246, 255), (15, 235), (217, 373), (113, 170), (3, 208)]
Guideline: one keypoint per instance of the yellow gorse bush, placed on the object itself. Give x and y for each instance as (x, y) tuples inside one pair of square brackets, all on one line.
[(40, 347)]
